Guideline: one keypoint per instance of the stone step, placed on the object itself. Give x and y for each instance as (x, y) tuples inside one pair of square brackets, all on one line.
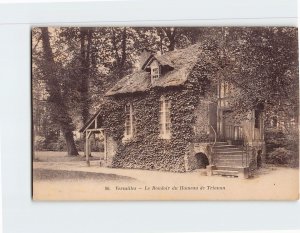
[(225, 173), (228, 155), (229, 161), (221, 143), (233, 161), (225, 147), (236, 159), (232, 164), (228, 149), (225, 153), (229, 164), (229, 158), (231, 168)]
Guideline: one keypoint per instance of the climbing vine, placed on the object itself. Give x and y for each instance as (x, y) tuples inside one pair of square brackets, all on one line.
[(146, 150)]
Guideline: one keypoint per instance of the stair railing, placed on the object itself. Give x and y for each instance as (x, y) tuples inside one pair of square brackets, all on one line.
[(245, 157), (215, 134), (212, 145)]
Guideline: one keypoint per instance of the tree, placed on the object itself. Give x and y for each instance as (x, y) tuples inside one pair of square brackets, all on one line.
[(85, 57), (262, 66), (58, 109), (78, 65)]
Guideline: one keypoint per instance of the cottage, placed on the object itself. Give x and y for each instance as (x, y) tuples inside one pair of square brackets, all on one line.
[(169, 116)]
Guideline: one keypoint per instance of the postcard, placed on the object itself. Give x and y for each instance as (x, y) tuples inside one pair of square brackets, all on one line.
[(165, 113)]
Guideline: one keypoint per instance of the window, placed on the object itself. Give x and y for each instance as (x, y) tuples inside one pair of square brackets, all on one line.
[(129, 121), (225, 90), (164, 118), (257, 119), (155, 71)]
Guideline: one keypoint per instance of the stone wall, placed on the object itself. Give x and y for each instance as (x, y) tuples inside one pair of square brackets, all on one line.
[(146, 150), (201, 126), (190, 159)]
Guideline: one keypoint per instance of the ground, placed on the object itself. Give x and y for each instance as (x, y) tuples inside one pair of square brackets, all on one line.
[(58, 177)]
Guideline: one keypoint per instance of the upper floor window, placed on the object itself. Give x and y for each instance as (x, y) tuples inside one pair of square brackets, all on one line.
[(225, 89), (257, 119), (155, 71), (129, 121), (165, 118)]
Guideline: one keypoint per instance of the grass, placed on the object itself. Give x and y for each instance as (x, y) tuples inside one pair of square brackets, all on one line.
[(61, 156), (51, 175)]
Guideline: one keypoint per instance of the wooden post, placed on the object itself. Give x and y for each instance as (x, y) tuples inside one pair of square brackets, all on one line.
[(262, 126), (105, 146), (87, 148), (253, 126)]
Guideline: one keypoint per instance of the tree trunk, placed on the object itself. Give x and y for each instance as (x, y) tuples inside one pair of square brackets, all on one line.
[(71, 147), (171, 34), (124, 38), (161, 45), (171, 46), (58, 110), (85, 71), (122, 57)]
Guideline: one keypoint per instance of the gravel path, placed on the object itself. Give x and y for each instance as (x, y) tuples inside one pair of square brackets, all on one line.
[(73, 180)]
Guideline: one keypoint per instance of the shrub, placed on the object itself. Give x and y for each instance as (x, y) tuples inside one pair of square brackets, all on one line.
[(80, 144), (282, 146), (281, 156), (96, 145), (61, 144), (274, 139), (56, 145), (39, 143)]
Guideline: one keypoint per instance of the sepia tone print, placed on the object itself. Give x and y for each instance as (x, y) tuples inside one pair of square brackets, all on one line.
[(165, 113)]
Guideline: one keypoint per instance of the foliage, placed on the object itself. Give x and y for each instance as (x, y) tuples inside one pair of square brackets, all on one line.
[(281, 156), (275, 138), (39, 143), (88, 61), (259, 62), (282, 147), (147, 150)]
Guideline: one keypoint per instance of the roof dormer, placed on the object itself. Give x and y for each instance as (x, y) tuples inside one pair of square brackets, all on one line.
[(155, 65)]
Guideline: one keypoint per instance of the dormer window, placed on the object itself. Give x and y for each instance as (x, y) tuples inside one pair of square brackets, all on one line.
[(155, 71)]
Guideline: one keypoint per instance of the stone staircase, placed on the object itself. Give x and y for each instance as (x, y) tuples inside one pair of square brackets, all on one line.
[(228, 160)]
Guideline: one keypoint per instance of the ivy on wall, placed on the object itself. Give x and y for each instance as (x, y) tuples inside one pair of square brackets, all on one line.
[(146, 150)]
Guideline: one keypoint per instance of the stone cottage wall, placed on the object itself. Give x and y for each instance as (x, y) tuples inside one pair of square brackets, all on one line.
[(146, 150), (190, 159), (201, 126)]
